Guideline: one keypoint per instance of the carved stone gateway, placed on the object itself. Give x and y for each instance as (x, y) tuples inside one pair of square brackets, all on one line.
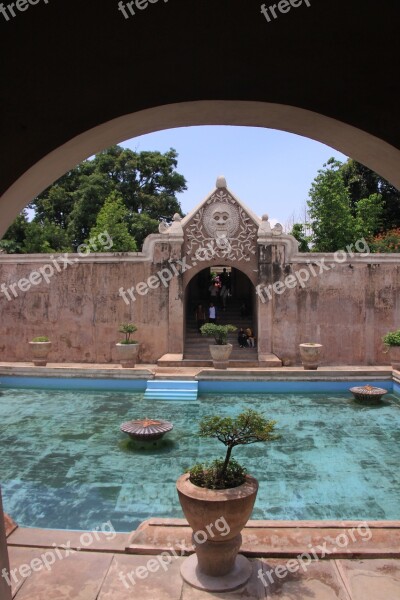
[(222, 224)]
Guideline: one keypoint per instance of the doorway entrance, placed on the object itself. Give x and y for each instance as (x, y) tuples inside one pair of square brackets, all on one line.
[(233, 295)]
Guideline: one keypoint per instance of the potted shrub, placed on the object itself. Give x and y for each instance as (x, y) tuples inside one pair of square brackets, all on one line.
[(392, 343), (127, 349), (40, 348), (221, 350), (221, 491), (310, 355)]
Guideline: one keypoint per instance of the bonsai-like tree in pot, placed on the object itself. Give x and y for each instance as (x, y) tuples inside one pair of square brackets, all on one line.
[(127, 349), (221, 490), (221, 350)]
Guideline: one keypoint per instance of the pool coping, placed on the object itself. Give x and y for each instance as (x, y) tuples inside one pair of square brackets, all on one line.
[(150, 371), (261, 538)]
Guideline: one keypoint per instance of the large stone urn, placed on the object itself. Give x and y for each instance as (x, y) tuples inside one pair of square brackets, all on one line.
[(220, 354), (310, 355), (216, 565), (394, 356), (40, 352), (127, 354)]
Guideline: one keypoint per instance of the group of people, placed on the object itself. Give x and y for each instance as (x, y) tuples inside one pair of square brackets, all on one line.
[(246, 338), (220, 289)]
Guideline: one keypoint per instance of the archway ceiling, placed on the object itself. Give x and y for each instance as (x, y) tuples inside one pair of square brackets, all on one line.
[(70, 66)]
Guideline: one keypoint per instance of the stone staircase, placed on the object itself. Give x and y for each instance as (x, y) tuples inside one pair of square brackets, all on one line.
[(196, 352)]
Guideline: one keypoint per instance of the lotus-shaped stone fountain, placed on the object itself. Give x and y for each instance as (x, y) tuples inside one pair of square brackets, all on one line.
[(146, 430), (368, 393)]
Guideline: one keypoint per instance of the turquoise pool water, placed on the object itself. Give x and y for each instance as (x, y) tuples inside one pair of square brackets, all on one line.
[(64, 463)]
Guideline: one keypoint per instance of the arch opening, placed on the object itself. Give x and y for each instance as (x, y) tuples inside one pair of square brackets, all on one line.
[(360, 145), (232, 293)]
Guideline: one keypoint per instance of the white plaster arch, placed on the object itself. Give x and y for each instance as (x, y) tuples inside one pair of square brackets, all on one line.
[(360, 145)]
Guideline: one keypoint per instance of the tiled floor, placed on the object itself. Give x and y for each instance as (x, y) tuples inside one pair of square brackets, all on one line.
[(44, 566), (104, 576)]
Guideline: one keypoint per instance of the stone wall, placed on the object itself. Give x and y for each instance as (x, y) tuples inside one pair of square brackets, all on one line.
[(347, 307)]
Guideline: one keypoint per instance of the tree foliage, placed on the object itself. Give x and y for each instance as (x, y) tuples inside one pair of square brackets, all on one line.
[(340, 211), (112, 219), (299, 234), (67, 212), (249, 427)]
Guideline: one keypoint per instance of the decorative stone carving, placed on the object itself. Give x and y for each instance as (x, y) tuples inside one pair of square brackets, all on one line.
[(222, 222), (174, 228)]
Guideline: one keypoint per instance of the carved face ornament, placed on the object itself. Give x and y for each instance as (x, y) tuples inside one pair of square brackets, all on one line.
[(221, 221)]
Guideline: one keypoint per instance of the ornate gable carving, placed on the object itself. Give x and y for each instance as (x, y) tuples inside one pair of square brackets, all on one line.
[(222, 222)]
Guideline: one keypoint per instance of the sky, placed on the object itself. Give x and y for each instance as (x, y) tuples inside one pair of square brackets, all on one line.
[(270, 171)]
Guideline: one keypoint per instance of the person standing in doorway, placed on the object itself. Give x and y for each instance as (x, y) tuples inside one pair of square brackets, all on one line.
[(212, 313)]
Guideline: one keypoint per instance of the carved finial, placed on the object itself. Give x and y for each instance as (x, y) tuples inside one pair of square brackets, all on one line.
[(265, 217), (177, 217), (221, 182)]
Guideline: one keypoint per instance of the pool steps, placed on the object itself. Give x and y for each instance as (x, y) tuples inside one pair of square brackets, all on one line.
[(171, 389)]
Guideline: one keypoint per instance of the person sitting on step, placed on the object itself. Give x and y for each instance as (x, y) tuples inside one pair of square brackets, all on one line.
[(242, 338), (250, 337)]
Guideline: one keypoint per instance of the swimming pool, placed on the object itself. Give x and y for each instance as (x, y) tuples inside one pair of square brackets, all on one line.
[(64, 463)]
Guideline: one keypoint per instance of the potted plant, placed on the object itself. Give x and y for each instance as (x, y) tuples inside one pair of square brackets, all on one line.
[(310, 355), (221, 491), (221, 350), (40, 348), (392, 343), (127, 349)]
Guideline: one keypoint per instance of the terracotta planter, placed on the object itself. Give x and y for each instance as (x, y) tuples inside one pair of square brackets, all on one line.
[(310, 355), (220, 355), (394, 355), (40, 352), (127, 354), (216, 566)]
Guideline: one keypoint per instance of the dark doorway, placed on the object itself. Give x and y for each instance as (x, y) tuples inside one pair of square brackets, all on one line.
[(232, 292)]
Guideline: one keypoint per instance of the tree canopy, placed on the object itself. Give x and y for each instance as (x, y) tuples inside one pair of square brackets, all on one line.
[(347, 202), (143, 185)]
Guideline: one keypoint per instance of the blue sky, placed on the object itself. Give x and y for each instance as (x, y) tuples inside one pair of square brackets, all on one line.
[(270, 171)]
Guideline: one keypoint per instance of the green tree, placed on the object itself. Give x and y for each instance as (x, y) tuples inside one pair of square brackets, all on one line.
[(45, 237), (140, 226), (329, 208), (298, 233), (13, 240), (369, 216), (147, 182), (112, 219), (362, 183)]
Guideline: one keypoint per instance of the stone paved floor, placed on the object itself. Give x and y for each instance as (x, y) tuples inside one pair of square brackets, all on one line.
[(108, 576), (45, 566)]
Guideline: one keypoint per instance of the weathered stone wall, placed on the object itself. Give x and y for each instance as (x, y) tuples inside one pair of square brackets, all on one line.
[(347, 307), (80, 309)]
